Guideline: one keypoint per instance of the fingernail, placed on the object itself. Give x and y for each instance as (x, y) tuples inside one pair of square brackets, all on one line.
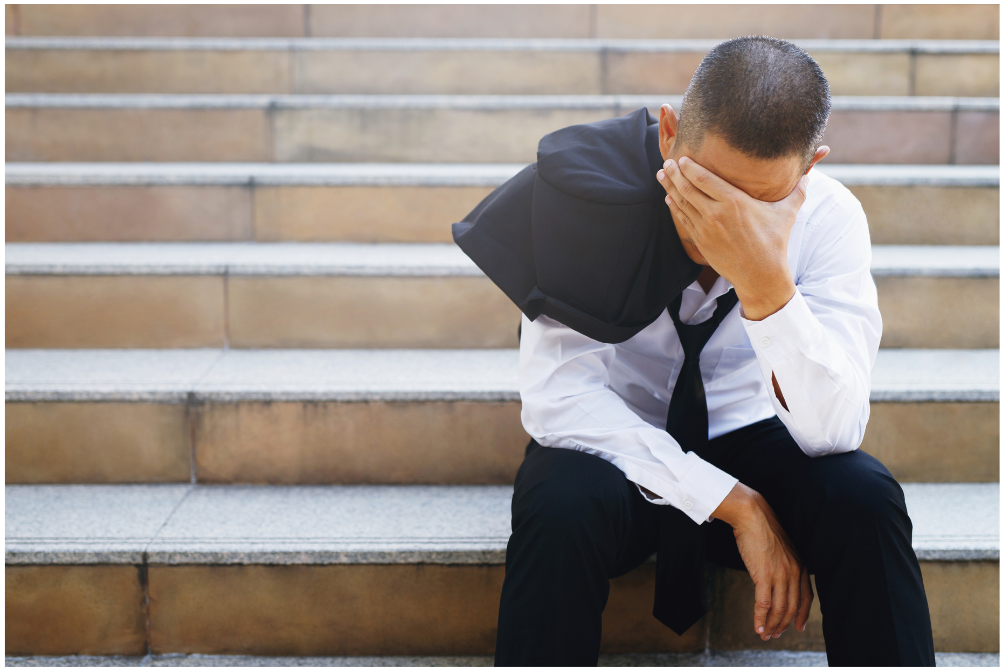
[(760, 629), (669, 202), (668, 164), (777, 635), (659, 175)]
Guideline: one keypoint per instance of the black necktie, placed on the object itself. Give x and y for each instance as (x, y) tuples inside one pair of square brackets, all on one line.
[(678, 599)]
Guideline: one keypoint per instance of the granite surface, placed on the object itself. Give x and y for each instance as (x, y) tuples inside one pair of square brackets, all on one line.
[(416, 174), (384, 259), (285, 525), (953, 261), (395, 375), (702, 659), (936, 375), (86, 523), (617, 104), (240, 259), (475, 44), (163, 376)]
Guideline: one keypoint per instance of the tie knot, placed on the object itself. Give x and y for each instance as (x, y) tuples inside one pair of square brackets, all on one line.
[(693, 337)]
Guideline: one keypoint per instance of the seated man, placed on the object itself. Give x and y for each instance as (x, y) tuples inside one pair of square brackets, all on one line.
[(747, 412)]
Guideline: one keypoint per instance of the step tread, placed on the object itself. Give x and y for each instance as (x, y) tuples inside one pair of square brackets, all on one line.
[(700, 659), (417, 174), (919, 46), (382, 259), (225, 524), (454, 102), (219, 375)]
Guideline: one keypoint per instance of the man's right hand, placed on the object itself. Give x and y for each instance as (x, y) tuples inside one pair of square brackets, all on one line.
[(783, 592)]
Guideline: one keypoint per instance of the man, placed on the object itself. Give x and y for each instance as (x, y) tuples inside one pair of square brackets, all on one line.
[(723, 430)]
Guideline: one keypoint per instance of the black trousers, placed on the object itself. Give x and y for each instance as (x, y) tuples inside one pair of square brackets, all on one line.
[(578, 522)]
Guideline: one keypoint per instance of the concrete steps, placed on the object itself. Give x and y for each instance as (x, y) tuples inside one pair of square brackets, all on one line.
[(393, 416), (62, 295), (437, 128), (941, 21), (467, 66), (61, 201), (705, 658), (221, 569)]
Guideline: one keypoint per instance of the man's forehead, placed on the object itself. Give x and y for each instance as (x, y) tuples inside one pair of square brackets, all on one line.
[(767, 180)]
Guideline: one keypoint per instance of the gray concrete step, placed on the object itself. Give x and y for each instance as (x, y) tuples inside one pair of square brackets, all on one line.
[(60, 201), (252, 570), (752, 658), (437, 128), (383, 295), (941, 21), (393, 416), (467, 66)]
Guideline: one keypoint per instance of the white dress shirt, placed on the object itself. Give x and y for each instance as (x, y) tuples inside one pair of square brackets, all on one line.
[(611, 400)]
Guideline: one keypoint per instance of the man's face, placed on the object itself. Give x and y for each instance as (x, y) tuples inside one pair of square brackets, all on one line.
[(766, 180)]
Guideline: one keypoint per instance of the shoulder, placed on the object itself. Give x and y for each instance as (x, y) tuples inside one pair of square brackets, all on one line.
[(826, 197)]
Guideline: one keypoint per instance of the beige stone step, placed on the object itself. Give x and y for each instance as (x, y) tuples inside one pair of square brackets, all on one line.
[(905, 204), (309, 295), (710, 658), (437, 128), (265, 570), (393, 416), (941, 21), (467, 66)]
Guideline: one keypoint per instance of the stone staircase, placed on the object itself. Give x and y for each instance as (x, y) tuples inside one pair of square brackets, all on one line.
[(258, 404)]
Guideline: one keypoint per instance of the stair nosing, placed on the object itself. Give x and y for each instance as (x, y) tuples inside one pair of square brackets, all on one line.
[(26, 174), (298, 44), (231, 375), (198, 524), (451, 102)]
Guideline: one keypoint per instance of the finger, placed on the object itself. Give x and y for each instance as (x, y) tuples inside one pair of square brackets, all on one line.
[(792, 608), (805, 601), (707, 182), (761, 605), (679, 215), (674, 193), (779, 603), (687, 190)]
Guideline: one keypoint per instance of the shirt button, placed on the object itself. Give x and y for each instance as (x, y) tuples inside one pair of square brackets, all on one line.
[(765, 341), (688, 504)]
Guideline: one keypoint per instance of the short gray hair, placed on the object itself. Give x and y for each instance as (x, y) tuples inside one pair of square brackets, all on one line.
[(766, 97)]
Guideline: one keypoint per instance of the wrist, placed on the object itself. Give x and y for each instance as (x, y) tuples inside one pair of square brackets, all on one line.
[(739, 507), (763, 299)]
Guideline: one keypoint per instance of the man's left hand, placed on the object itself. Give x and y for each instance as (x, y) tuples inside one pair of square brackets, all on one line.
[(744, 239)]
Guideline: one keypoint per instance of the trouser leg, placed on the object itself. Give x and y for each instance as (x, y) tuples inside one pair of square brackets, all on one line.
[(847, 517), (576, 522)]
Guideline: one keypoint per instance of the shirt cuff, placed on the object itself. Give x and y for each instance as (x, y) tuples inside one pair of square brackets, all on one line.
[(702, 489), (783, 332)]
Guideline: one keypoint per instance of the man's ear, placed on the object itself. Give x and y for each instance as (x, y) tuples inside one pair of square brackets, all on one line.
[(821, 153), (668, 129)]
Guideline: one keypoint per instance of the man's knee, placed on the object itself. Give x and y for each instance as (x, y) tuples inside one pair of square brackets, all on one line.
[(856, 496), (562, 493)]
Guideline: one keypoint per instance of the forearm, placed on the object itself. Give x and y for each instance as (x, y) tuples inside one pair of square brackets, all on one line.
[(823, 384)]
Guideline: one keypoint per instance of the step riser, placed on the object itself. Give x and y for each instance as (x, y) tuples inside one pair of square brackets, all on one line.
[(384, 312), (543, 21), (896, 214), (447, 72), (399, 609), (395, 442), (433, 135)]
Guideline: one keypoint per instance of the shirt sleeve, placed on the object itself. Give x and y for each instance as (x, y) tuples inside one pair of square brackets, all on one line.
[(566, 401), (821, 345)]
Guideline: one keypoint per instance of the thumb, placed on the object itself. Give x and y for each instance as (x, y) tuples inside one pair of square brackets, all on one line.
[(797, 196)]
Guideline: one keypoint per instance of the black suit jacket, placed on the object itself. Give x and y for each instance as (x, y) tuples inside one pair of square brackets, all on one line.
[(583, 235)]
